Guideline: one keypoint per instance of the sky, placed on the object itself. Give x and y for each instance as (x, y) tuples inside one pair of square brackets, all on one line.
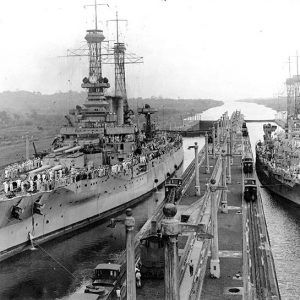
[(218, 49)]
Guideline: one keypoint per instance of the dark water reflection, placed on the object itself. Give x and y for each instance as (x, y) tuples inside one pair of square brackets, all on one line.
[(35, 275)]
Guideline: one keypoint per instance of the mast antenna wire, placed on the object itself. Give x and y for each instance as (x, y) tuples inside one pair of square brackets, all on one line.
[(289, 62), (60, 264), (297, 64), (117, 20), (95, 7)]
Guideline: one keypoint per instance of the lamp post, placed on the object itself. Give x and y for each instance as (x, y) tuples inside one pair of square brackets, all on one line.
[(214, 141), (171, 228), (231, 147), (224, 179), (130, 257), (206, 154), (218, 132), (228, 158), (215, 261), (197, 182)]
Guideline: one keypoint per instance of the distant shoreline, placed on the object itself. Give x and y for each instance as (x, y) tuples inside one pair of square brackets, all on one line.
[(274, 103)]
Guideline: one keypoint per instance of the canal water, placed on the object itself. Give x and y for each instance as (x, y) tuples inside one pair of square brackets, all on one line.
[(64, 266)]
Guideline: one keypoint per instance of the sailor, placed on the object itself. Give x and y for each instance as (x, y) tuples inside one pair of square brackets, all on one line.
[(43, 177), (118, 292), (18, 181), (191, 267), (22, 186), (38, 184), (5, 184), (138, 277), (31, 185)]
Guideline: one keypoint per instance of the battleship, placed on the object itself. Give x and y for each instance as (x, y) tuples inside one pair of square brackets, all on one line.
[(278, 156), (100, 163)]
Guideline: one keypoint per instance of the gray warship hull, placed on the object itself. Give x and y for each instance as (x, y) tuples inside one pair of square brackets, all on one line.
[(79, 204)]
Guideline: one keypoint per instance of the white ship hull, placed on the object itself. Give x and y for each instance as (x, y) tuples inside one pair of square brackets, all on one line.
[(78, 204)]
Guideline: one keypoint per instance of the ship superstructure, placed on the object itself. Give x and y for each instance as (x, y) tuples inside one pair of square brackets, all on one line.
[(99, 163), (278, 156)]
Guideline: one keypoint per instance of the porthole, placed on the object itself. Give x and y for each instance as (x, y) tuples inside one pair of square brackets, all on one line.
[(36, 224), (60, 205), (61, 216), (47, 222)]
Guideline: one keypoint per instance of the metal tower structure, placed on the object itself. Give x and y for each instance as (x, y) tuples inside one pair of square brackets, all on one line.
[(95, 83), (120, 59), (116, 56)]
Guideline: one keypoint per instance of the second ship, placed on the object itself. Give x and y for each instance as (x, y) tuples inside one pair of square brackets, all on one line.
[(278, 156), (100, 163)]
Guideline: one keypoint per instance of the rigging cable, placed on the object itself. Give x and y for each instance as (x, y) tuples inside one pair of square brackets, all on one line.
[(60, 264)]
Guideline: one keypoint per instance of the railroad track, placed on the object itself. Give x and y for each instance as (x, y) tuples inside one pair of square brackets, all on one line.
[(256, 275), (259, 261)]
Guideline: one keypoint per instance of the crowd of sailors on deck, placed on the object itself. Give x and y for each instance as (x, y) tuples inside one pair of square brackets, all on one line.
[(32, 176), (15, 169), (281, 159)]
